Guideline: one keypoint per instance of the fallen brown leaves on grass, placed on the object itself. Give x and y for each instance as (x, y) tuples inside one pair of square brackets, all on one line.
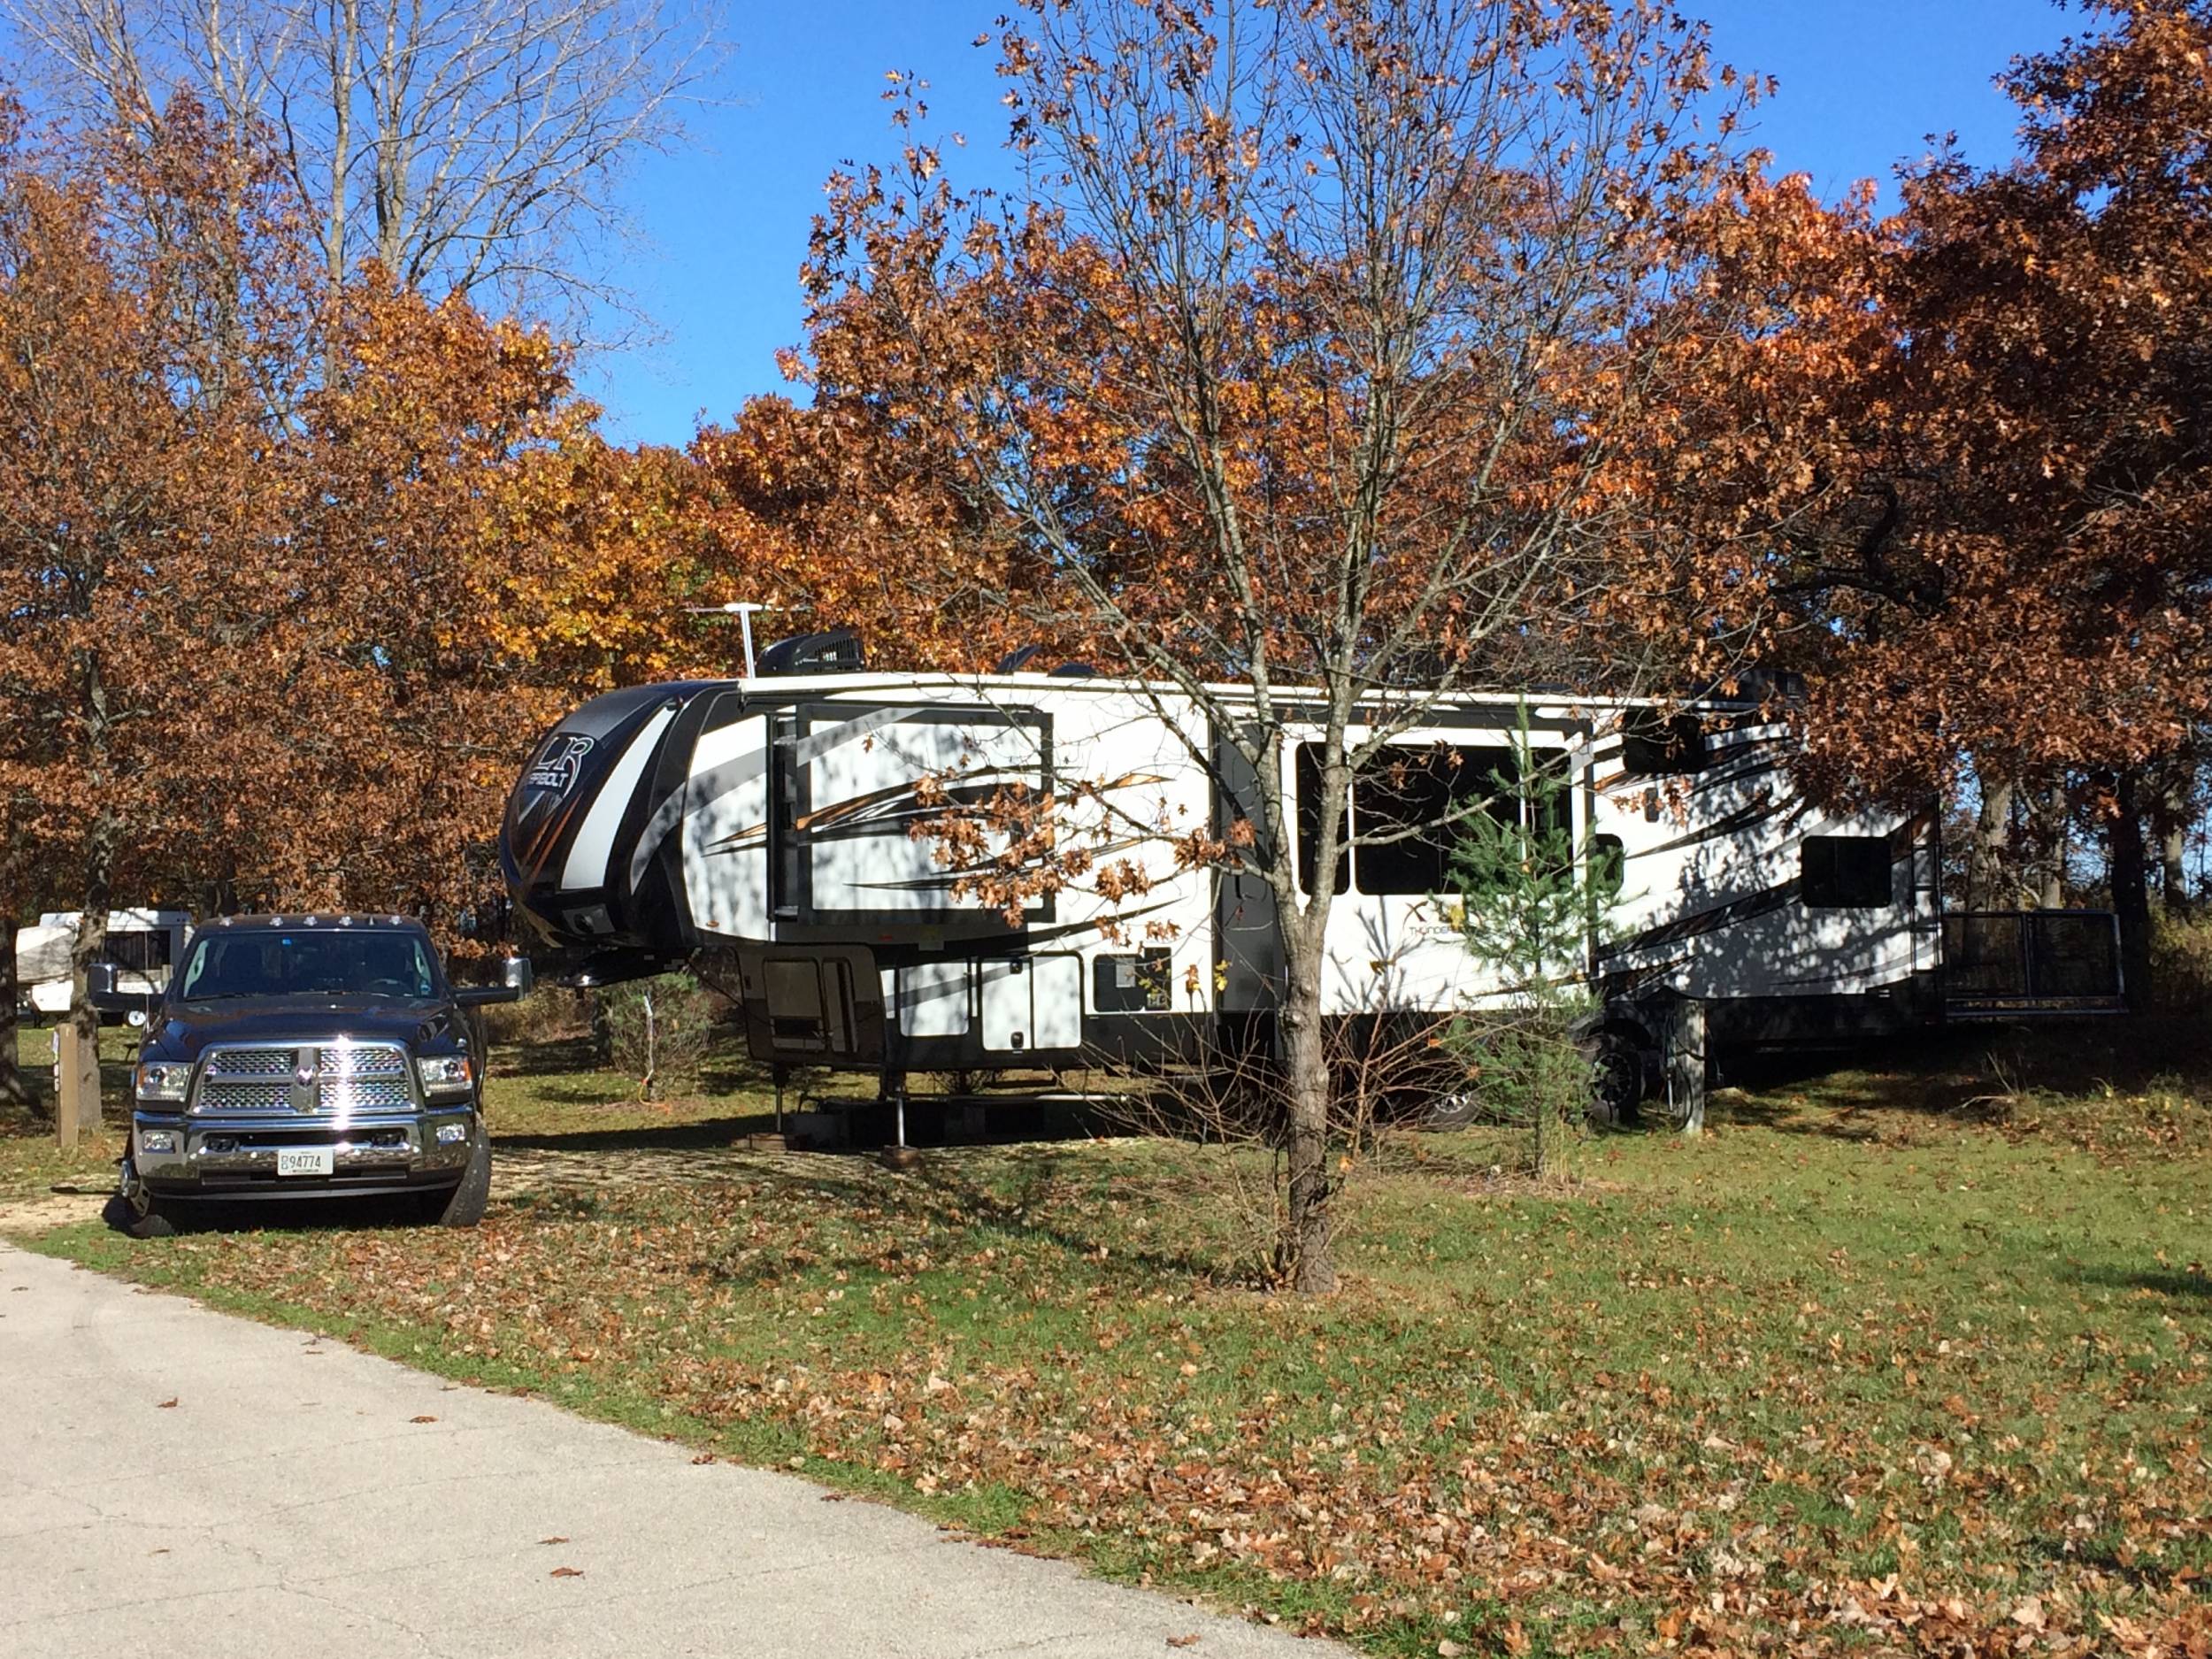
[(1771, 1394)]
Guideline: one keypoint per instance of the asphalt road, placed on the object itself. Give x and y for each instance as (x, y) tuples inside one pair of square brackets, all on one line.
[(180, 1483)]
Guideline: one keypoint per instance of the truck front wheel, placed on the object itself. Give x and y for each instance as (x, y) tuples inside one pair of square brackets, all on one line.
[(132, 1211), (462, 1206)]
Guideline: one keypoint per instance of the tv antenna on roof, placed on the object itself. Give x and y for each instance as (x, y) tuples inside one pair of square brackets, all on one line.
[(742, 610)]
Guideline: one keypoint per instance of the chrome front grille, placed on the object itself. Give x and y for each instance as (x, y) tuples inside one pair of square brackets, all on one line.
[(365, 1094), (251, 1061), (223, 1095), (358, 1060), (332, 1078)]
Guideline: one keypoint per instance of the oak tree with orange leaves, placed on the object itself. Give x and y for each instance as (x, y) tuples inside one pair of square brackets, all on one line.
[(1992, 545), (291, 574), (133, 331)]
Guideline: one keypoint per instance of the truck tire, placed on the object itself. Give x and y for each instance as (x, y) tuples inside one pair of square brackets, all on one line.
[(138, 1219), (464, 1205)]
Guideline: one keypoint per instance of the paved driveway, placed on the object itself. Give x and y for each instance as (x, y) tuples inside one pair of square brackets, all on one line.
[(179, 1483)]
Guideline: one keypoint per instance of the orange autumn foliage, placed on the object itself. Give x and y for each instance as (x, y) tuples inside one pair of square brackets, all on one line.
[(294, 575)]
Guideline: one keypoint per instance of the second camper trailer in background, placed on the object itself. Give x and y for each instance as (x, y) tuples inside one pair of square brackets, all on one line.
[(144, 945)]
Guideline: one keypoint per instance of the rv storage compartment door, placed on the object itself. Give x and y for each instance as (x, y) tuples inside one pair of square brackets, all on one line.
[(824, 1004), (1031, 1004), (1056, 994), (934, 999), (1006, 1023)]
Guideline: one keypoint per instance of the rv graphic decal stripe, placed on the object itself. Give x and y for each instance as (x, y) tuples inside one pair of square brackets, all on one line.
[(1713, 778), (1706, 921), (805, 750), (540, 852), (1742, 818), (740, 841), (702, 794), (971, 789), (588, 858)]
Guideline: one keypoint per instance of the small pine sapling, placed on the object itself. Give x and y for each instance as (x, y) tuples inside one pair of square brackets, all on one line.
[(1529, 905)]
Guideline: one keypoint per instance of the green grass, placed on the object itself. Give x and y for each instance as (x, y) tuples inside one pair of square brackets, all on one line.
[(1894, 1359), (30, 1162)]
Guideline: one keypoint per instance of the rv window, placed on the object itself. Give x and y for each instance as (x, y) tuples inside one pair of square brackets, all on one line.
[(142, 950), (1845, 872), (1657, 746), (1422, 792), (1609, 865), (1429, 790), (1132, 985), (1309, 770)]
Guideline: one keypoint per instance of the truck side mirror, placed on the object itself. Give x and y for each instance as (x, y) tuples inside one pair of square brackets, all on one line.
[(516, 974)]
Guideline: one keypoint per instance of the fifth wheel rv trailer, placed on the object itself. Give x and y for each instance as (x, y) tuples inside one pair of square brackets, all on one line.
[(768, 819)]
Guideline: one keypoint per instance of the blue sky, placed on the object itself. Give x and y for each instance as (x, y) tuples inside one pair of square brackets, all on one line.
[(1864, 83)]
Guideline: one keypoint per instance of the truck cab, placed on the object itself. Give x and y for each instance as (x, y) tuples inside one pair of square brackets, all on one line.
[(309, 1056)]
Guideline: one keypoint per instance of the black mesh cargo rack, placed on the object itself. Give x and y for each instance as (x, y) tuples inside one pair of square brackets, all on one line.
[(2009, 964)]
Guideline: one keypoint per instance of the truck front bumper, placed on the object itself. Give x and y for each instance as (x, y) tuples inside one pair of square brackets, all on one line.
[(177, 1155)]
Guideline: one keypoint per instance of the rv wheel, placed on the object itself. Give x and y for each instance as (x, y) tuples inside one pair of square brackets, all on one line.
[(1453, 1108), (1617, 1080)]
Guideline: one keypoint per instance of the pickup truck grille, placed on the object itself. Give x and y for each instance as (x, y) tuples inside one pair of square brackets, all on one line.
[(337, 1078)]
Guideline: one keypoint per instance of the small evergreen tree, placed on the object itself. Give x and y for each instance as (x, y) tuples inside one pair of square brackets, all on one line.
[(1529, 904)]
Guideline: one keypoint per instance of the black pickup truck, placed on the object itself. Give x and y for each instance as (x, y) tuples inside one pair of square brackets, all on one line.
[(307, 1056)]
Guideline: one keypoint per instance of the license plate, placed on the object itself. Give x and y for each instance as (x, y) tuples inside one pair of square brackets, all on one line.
[(306, 1161)]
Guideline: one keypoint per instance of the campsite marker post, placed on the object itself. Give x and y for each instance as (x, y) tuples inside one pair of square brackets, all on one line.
[(76, 1085)]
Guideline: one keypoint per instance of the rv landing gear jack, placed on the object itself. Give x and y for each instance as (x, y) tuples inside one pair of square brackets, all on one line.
[(900, 1155)]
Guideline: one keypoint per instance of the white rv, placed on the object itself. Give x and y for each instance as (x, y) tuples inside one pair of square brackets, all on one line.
[(768, 818), (144, 945)]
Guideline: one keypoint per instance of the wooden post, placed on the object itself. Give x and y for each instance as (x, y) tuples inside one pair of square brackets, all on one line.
[(76, 1085)]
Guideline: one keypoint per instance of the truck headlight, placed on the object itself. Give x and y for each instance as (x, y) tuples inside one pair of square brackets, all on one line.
[(164, 1079), (446, 1074)]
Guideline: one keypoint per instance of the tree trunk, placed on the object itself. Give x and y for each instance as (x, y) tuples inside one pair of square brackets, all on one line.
[(1301, 1255), (2173, 817), (13, 1087), (92, 938), (2051, 833), (2173, 850), (1986, 885), (2131, 889)]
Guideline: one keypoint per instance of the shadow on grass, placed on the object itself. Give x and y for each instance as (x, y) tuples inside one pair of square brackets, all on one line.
[(590, 1089), (692, 1135), (724, 1069), (1952, 1072), (1024, 1195), (870, 1128), (342, 1213), (559, 1057), (2161, 1281)]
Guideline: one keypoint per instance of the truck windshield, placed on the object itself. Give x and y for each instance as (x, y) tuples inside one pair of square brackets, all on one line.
[(272, 962)]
